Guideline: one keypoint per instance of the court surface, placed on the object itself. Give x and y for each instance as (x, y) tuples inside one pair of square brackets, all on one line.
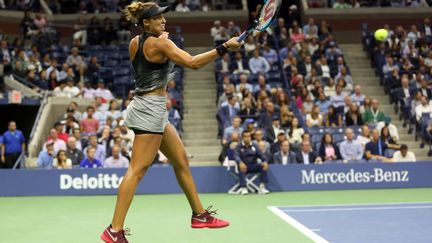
[(166, 218)]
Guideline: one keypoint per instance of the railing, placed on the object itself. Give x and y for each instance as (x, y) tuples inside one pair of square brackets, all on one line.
[(20, 161)]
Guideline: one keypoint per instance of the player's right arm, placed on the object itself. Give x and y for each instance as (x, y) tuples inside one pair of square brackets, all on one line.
[(179, 56)]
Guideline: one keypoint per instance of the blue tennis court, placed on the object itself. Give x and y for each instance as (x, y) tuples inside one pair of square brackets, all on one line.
[(379, 223)]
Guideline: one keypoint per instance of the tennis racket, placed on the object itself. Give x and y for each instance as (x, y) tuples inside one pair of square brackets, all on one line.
[(264, 18)]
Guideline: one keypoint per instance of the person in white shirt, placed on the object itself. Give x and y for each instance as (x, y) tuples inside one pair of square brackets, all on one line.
[(364, 137), (403, 155), (116, 160), (70, 89), (218, 32), (58, 143), (393, 131), (102, 91), (358, 97), (60, 91), (88, 91), (243, 82), (424, 107), (258, 64), (182, 6)]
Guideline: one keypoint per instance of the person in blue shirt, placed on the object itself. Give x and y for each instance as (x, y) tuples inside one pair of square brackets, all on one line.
[(91, 161), (13, 144), (374, 150), (46, 157), (246, 155)]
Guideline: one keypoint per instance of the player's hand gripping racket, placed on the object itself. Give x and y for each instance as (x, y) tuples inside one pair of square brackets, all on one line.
[(265, 16)]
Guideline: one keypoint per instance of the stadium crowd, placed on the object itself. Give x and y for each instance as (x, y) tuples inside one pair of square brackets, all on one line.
[(319, 116), (344, 4)]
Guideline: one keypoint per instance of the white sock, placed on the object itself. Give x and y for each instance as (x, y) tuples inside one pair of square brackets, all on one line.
[(112, 230)]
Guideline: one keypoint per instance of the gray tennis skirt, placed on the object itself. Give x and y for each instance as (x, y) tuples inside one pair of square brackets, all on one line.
[(147, 114)]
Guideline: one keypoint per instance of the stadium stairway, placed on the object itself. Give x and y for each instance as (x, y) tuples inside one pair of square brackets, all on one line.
[(199, 123), (364, 75)]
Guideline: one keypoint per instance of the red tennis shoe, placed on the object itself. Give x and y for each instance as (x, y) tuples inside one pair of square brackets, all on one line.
[(108, 236), (206, 220)]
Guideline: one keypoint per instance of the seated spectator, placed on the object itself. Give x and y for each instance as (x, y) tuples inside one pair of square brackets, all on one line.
[(424, 89), (60, 128), (100, 151), (333, 118), (358, 97), (126, 134), (173, 115), (305, 155), (232, 29), (258, 64), (270, 54), (392, 128), (284, 156), (353, 116), (345, 76), (61, 161), (250, 45), (75, 60), (307, 104), (88, 91), (403, 155), (347, 88), (93, 68), (60, 90), (218, 33), (272, 131), (90, 161), (116, 160), (246, 156), (73, 153), (375, 149), (89, 125), (322, 102), (80, 143), (275, 146), (424, 107), (330, 89), (310, 29), (364, 137), (338, 100), (391, 143), (262, 85), (305, 67), (103, 92), (314, 119), (247, 108), (373, 115), (113, 110), (223, 65), (296, 33), (227, 151), (351, 149), (80, 31), (59, 144), (46, 156), (328, 149), (266, 116), (235, 127), (295, 132), (239, 65), (258, 138)]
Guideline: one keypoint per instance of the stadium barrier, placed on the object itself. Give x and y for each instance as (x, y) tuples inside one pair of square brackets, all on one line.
[(161, 179)]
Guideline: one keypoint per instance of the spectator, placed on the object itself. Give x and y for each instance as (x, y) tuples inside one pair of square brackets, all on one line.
[(59, 144), (232, 29), (113, 110), (94, 31), (314, 119), (424, 89), (100, 150), (228, 149), (89, 125), (116, 160), (310, 29), (322, 102), (295, 132), (340, 4), (75, 60), (333, 118), (284, 156), (330, 89), (88, 91), (393, 131), (351, 149), (73, 153), (109, 32), (353, 116), (90, 161), (71, 90), (243, 82), (126, 134), (364, 137), (358, 97), (338, 100), (61, 91), (403, 155), (235, 127), (305, 156), (240, 66), (103, 92), (424, 107), (62, 161), (273, 130), (270, 54), (12, 146), (246, 156), (258, 64), (374, 150), (46, 156), (173, 115), (80, 31), (373, 115), (258, 138), (182, 6), (250, 45), (391, 143), (262, 85), (218, 33), (60, 129), (328, 149), (265, 118), (123, 33)]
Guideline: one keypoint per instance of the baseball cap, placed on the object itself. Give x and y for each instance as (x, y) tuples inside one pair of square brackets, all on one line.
[(153, 11)]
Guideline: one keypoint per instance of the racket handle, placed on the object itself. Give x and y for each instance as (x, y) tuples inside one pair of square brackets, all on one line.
[(242, 37)]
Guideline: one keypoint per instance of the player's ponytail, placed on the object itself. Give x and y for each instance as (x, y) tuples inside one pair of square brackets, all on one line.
[(134, 11)]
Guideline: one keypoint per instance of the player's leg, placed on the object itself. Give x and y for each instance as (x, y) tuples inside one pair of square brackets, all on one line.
[(173, 148), (144, 151)]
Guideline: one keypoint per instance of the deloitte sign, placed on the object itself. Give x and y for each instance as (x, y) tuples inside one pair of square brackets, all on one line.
[(101, 181)]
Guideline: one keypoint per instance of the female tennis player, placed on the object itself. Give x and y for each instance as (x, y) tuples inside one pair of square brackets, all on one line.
[(153, 56)]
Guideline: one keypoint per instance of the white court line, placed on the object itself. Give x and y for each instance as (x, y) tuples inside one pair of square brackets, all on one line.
[(353, 209), (300, 227), (354, 204)]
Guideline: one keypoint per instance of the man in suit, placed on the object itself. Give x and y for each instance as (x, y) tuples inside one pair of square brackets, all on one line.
[(239, 65), (284, 156), (424, 88), (273, 130), (306, 156), (227, 113)]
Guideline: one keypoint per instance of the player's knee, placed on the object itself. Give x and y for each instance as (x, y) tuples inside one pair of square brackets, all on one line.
[(182, 163), (139, 172)]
